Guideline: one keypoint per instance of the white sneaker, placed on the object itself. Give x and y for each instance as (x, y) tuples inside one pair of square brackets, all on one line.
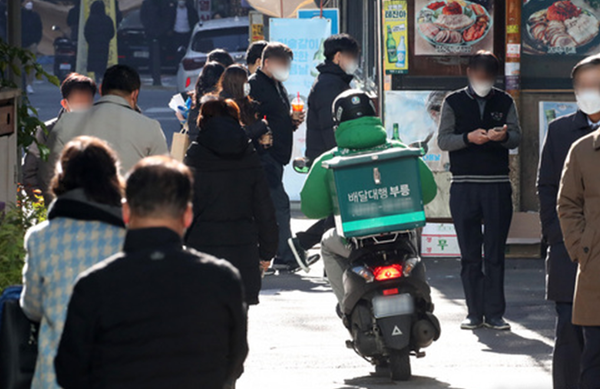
[(30, 90)]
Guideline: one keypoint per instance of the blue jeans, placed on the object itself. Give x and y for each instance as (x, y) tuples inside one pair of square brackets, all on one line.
[(281, 201), (568, 345)]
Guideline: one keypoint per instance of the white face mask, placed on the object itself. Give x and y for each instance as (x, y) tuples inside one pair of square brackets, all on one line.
[(588, 101), (351, 67), (77, 108), (29, 6), (482, 88), (281, 74), (246, 89)]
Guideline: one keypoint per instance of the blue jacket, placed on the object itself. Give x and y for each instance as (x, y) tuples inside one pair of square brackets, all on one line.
[(78, 234)]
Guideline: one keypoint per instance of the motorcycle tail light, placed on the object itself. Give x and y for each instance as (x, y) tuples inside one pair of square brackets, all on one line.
[(364, 273), (188, 81), (390, 292), (385, 273)]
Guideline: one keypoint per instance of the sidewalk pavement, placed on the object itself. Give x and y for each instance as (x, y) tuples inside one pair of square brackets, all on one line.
[(297, 341)]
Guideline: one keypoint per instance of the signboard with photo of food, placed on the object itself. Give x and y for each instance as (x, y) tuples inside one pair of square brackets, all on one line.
[(453, 27), (566, 27)]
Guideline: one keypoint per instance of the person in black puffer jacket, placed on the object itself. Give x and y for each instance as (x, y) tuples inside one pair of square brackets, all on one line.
[(234, 217), (98, 32)]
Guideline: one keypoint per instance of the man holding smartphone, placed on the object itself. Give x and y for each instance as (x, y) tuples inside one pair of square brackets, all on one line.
[(478, 125)]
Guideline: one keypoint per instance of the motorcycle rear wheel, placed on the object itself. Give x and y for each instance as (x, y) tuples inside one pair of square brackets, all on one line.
[(400, 365)]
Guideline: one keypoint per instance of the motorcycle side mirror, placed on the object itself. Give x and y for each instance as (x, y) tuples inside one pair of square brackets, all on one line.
[(55, 28), (302, 165)]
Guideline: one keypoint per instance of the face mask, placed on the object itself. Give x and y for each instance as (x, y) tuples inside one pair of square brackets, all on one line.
[(281, 74), (77, 108), (351, 67), (181, 4), (29, 6), (246, 89), (588, 101), (482, 88)]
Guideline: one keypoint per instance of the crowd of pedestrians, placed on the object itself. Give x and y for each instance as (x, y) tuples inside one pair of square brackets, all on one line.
[(166, 224)]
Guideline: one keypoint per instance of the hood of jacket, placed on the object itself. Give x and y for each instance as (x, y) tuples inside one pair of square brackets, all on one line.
[(328, 67), (76, 205), (224, 136), (363, 133), (97, 8)]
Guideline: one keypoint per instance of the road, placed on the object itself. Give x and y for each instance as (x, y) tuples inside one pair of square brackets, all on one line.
[(297, 341)]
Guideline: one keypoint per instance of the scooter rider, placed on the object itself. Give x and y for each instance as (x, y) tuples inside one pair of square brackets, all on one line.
[(358, 130)]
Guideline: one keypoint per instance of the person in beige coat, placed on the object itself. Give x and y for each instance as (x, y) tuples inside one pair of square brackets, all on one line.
[(579, 215), (115, 119)]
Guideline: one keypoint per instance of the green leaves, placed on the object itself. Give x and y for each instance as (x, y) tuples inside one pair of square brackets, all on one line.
[(19, 61)]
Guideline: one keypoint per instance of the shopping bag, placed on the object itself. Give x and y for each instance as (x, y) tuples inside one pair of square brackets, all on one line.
[(180, 144)]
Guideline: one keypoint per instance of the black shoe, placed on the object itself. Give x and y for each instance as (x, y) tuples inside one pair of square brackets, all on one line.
[(497, 324), (299, 253), (291, 267), (471, 324)]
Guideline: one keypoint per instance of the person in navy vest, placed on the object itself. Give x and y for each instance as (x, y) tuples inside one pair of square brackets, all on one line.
[(478, 126)]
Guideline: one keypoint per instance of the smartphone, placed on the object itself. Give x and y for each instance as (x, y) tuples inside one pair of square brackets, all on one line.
[(498, 129)]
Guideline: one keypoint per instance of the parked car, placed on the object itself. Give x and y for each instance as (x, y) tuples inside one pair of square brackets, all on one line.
[(230, 34), (133, 46)]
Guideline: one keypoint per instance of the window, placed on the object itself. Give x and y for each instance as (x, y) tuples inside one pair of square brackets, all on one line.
[(230, 39)]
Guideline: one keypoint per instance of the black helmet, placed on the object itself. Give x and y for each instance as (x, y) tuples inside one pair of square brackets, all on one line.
[(352, 104)]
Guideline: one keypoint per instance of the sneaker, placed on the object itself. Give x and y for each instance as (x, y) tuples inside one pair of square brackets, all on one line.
[(497, 324), (471, 324), (286, 267), (29, 90), (299, 253)]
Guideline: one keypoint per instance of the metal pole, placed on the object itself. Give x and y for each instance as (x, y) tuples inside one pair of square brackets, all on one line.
[(14, 32), (512, 73), (379, 56)]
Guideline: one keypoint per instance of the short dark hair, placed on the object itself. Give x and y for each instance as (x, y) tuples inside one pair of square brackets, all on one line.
[(486, 61), (254, 51), (159, 186), (586, 63), (340, 43), (77, 82), (120, 78), (221, 56), (277, 50), (90, 164)]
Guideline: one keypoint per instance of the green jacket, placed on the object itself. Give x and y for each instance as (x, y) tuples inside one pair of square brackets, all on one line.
[(354, 136)]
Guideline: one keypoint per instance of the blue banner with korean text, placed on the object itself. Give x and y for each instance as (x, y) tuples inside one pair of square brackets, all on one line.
[(305, 37)]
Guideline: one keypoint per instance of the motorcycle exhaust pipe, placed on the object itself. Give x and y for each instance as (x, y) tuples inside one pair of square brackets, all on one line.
[(423, 333)]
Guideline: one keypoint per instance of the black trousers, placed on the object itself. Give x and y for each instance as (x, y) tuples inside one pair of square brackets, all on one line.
[(568, 345), (313, 235), (590, 359), (483, 280)]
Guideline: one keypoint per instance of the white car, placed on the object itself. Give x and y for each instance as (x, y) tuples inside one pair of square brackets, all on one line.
[(230, 34)]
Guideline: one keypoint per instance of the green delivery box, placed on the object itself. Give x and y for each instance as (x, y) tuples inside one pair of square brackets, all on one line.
[(376, 193)]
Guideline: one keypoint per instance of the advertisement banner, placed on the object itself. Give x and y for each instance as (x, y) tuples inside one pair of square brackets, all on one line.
[(82, 47), (305, 37), (395, 36), (257, 27), (416, 114), (332, 14), (550, 110), (560, 27), (204, 10), (453, 27)]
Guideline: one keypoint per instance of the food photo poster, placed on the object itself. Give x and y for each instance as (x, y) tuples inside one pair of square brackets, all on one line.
[(568, 27), (453, 27)]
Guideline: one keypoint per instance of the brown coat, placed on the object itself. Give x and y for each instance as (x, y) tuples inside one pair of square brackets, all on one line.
[(579, 214)]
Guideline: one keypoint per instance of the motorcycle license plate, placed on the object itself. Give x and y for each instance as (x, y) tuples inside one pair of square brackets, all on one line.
[(386, 306), (65, 66), (141, 54)]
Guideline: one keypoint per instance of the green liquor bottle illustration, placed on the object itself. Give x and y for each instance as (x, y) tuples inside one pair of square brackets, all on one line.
[(392, 52)]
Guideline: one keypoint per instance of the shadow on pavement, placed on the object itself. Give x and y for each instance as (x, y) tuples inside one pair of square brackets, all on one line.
[(374, 382), (508, 342)]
